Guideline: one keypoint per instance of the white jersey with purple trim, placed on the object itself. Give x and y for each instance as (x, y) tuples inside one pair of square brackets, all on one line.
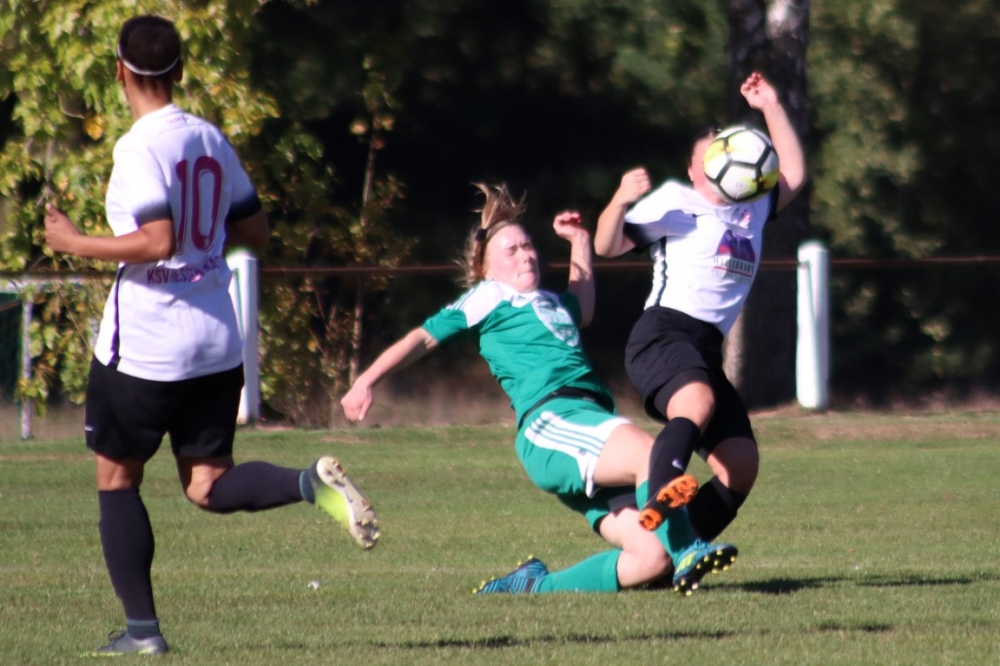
[(705, 257), (173, 319)]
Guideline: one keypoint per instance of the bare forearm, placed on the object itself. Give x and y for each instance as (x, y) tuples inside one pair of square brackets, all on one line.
[(410, 348), (609, 239), (133, 248), (789, 148), (581, 276)]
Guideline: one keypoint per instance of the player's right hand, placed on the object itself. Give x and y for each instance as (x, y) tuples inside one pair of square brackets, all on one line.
[(60, 232), (357, 402), (634, 185)]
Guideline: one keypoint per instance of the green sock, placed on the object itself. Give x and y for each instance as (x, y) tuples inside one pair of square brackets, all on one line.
[(597, 573), (642, 494), (676, 533)]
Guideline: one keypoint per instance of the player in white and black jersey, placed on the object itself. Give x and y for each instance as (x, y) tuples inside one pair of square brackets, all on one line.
[(706, 253), (168, 358)]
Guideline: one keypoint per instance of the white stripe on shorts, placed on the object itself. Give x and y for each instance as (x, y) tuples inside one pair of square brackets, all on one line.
[(584, 443)]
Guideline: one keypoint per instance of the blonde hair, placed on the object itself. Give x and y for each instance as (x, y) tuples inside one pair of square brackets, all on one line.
[(499, 210)]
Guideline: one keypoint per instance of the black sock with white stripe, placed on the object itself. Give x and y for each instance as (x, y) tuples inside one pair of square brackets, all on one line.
[(671, 452)]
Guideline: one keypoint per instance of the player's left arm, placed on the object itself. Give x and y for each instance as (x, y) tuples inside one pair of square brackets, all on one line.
[(152, 241), (568, 226), (253, 232), (761, 95)]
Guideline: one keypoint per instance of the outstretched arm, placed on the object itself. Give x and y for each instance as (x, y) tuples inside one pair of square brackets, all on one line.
[(581, 269), (609, 241), (413, 346), (761, 95)]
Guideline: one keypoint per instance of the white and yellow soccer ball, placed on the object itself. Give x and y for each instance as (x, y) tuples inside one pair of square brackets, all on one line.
[(741, 164)]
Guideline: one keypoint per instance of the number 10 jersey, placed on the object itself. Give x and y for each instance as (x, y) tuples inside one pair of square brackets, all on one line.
[(173, 319)]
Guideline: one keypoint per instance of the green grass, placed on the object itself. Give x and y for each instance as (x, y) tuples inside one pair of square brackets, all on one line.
[(870, 539)]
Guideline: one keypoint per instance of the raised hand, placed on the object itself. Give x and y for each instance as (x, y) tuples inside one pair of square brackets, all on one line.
[(567, 225), (758, 91), (634, 185)]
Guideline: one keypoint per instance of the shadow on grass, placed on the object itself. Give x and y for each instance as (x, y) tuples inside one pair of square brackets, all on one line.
[(507, 641), (867, 628), (779, 586), (920, 580)]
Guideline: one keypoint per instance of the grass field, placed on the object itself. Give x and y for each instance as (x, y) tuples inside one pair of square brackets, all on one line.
[(870, 539)]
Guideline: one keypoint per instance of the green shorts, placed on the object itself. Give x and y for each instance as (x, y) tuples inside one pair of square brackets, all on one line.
[(559, 446)]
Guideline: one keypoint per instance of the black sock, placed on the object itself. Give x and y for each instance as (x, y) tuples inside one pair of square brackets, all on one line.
[(127, 540), (713, 509), (671, 452), (255, 486)]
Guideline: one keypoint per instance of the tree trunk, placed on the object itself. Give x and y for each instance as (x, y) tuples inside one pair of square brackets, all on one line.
[(770, 37)]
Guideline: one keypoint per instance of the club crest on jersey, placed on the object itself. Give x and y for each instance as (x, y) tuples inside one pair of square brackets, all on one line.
[(735, 258), (741, 217), (557, 320)]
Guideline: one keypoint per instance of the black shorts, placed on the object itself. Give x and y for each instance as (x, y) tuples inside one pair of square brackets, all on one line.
[(127, 417), (667, 350)]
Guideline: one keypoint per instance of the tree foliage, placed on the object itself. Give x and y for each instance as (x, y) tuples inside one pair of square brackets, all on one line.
[(904, 168), (66, 114), (364, 126)]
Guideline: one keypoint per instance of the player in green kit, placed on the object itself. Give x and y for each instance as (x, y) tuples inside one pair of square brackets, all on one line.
[(569, 440)]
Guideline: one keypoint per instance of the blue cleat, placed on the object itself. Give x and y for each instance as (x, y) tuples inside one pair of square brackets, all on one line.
[(698, 560), (524, 579)]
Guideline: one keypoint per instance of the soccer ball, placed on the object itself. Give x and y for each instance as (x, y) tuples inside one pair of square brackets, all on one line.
[(741, 164)]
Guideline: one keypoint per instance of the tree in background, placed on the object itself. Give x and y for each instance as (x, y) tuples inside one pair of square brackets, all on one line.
[(771, 37), (557, 98), (905, 167), (65, 112)]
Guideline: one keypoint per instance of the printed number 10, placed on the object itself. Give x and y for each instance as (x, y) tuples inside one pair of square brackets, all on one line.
[(193, 213)]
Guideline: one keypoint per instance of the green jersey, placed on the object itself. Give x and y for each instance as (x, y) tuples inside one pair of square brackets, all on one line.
[(530, 341)]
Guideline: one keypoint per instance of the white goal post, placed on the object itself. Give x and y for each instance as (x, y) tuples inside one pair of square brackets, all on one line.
[(245, 292), (812, 350)]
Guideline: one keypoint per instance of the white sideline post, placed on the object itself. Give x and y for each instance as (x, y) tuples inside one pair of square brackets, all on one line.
[(812, 353), (27, 404), (244, 290)]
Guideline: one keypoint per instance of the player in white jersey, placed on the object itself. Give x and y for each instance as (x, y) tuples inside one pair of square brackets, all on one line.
[(569, 439), (706, 253), (168, 358)]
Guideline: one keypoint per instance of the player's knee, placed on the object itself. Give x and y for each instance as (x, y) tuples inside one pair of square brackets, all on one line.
[(736, 462), (653, 563), (199, 496), (742, 476)]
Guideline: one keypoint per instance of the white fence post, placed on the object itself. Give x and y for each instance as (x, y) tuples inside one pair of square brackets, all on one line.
[(812, 353), (26, 405), (244, 290)]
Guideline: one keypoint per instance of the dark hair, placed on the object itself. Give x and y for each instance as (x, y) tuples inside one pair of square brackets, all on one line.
[(149, 46), (706, 132)]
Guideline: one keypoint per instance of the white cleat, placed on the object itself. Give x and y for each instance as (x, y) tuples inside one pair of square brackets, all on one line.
[(339, 497)]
